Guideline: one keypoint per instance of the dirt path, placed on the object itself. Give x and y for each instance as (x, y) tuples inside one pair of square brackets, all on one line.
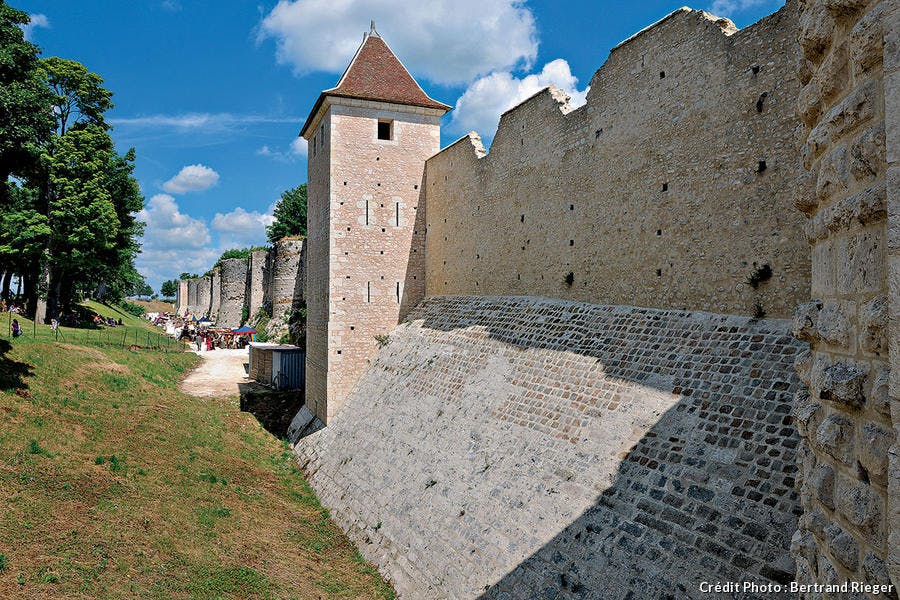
[(218, 374)]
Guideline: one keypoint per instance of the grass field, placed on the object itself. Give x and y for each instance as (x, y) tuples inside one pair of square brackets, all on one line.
[(116, 485)]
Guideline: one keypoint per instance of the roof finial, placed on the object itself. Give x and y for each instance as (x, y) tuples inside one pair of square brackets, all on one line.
[(372, 30)]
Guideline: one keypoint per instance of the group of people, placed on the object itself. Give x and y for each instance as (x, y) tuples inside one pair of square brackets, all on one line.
[(108, 321), (12, 307)]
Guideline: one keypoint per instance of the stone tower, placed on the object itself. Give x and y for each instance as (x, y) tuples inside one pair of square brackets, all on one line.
[(368, 139)]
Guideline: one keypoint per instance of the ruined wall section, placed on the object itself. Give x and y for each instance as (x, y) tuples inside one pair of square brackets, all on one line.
[(233, 273), (216, 293), (286, 285), (533, 445), (664, 190), (255, 283), (181, 297), (204, 296), (850, 529)]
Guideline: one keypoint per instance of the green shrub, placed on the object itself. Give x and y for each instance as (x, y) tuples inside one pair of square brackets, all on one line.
[(133, 309)]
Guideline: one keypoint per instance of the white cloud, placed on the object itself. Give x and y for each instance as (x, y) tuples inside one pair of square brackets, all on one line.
[(296, 150), (241, 228), (480, 107), (192, 178), (726, 8), (446, 42), (175, 242), (171, 6), (37, 20), (299, 146), (207, 122), (170, 229)]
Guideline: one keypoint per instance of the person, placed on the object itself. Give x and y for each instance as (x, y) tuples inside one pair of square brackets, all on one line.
[(16, 328), (54, 324)]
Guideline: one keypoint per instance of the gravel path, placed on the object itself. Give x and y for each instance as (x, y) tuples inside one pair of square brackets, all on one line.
[(218, 374)]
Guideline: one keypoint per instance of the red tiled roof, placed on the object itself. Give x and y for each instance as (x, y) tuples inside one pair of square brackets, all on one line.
[(376, 74)]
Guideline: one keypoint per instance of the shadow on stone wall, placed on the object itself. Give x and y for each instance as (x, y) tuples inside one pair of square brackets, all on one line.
[(573, 451), (705, 495)]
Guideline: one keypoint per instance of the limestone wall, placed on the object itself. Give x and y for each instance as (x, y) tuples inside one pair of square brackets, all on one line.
[(216, 287), (233, 274), (539, 447), (670, 188), (204, 296), (256, 281), (181, 297), (287, 258), (850, 107)]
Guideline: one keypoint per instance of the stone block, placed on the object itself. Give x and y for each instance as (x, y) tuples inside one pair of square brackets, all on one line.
[(816, 28), (867, 154), (842, 546), (805, 319), (874, 442), (833, 325), (859, 106), (822, 482), (834, 437), (842, 383), (834, 174), (879, 399), (866, 42), (874, 569), (863, 507), (862, 262), (873, 326)]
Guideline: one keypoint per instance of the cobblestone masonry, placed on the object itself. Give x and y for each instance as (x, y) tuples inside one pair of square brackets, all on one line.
[(668, 189), (558, 449), (850, 108), (233, 273)]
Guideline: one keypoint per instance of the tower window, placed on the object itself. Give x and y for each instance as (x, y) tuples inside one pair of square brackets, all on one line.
[(385, 129)]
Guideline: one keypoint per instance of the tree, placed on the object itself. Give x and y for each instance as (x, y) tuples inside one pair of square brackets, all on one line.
[(169, 289), (26, 123), (290, 215), (78, 95), (188, 276)]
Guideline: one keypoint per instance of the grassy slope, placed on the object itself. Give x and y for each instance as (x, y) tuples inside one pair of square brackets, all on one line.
[(115, 484)]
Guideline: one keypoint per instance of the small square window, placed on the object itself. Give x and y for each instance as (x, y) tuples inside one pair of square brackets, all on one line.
[(385, 130)]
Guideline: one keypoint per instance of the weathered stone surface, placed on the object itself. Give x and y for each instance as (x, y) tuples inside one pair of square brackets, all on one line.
[(834, 437), (508, 441), (842, 546), (233, 273), (638, 231), (822, 482), (843, 383), (804, 326), (833, 325), (874, 442), (866, 42), (863, 507), (873, 325)]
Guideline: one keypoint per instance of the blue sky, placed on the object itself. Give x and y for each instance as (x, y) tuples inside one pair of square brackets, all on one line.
[(212, 94)]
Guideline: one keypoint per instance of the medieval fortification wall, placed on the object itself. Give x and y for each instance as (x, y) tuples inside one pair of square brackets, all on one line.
[(669, 188), (270, 279), (849, 418), (519, 444), (515, 446)]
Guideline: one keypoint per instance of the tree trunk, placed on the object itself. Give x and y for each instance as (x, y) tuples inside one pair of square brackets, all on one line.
[(7, 282)]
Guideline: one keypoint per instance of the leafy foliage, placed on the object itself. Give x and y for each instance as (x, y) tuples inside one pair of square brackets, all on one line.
[(290, 215), (169, 289), (68, 221)]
